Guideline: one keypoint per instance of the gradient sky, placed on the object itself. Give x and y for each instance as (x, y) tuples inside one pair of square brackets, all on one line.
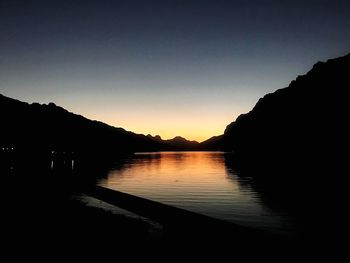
[(171, 68)]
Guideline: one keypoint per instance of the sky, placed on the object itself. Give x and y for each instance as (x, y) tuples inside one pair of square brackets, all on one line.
[(168, 68)]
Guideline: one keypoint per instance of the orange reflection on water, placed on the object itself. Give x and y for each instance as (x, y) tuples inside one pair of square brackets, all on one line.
[(165, 173), (197, 181)]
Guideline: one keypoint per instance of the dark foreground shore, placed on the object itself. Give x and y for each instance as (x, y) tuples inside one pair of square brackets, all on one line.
[(49, 212)]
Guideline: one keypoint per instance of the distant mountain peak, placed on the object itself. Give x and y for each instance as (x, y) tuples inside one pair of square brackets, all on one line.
[(156, 137), (179, 142), (183, 143), (178, 138)]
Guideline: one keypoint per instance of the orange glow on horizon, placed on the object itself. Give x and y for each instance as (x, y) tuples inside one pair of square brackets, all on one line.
[(198, 130), (186, 169), (197, 124)]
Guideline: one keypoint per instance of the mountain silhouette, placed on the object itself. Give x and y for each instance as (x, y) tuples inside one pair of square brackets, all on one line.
[(291, 144), (177, 143), (215, 143), (296, 126), (40, 129), (300, 121)]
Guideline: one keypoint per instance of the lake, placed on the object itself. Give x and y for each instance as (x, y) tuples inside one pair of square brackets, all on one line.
[(202, 182)]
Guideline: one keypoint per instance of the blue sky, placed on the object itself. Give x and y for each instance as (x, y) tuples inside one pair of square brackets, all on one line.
[(171, 68)]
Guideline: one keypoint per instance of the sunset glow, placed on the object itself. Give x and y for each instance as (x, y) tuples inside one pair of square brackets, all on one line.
[(193, 126), (168, 68)]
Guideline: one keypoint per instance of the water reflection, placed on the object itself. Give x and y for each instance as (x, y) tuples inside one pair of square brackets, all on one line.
[(203, 182)]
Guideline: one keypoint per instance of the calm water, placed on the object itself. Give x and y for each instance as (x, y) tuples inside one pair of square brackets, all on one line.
[(200, 182)]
